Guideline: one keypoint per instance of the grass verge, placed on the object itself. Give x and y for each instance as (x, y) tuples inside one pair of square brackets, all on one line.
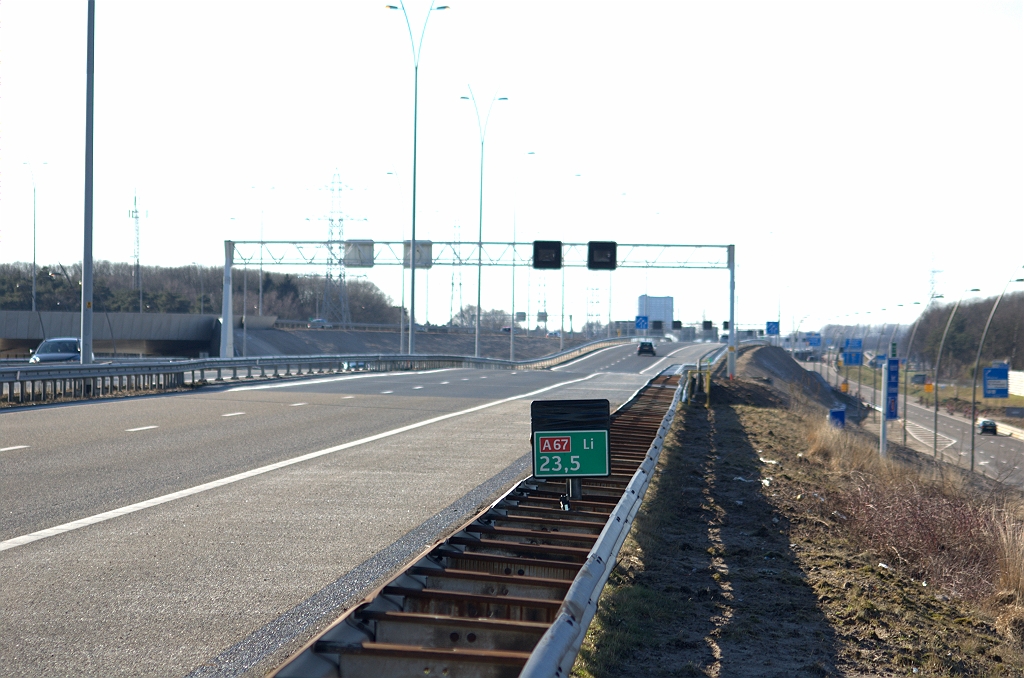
[(770, 544)]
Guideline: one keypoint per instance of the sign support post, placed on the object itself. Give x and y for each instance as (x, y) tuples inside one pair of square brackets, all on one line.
[(733, 340), (892, 394)]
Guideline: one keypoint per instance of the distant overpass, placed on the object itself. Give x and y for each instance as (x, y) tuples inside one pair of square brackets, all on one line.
[(181, 334)]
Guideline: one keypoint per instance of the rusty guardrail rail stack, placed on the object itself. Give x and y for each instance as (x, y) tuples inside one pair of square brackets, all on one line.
[(513, 591)]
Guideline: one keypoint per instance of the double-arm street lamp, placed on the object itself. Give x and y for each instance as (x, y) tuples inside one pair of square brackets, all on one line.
[(977, 363), (417, 49), (482, 129)]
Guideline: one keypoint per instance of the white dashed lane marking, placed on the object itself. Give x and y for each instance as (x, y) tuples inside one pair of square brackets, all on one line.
[(156, 501), (296, 404), (15, 447), (387, 392), (416, 387), (233, 414), (141, 428)]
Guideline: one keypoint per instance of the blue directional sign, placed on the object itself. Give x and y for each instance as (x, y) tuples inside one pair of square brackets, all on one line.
[(997, 382), (892, 389), (853, 358), (641, 322), (856, 344), (771, 328), (814, 340)]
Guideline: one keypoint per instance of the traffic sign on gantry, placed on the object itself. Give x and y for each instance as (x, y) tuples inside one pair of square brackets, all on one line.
[(601, 256), (641, 322), (547, 254)]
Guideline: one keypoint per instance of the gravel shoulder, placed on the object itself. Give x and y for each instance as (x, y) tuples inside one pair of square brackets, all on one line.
[(736, 566)]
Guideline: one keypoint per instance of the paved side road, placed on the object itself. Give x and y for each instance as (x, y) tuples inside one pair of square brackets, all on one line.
[(1000, 457), (248, 517)]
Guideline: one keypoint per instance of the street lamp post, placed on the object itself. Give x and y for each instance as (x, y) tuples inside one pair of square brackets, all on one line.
[(561, 314), (906, 373), (482, 129), (33, 173), (202, 294), (86, 307), (977, 364), (874, 371), (417, 49), (938, 363)]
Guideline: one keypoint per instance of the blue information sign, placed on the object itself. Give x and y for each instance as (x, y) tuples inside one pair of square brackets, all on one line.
[(837, 418), (892, 389), (855, 344), (853, 358), (814, 340), (641, 322), (997, 382), (771, 328)]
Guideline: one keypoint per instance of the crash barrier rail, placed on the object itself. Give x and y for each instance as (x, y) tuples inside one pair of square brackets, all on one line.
[(515, 589), (557, 649), (38, 383)]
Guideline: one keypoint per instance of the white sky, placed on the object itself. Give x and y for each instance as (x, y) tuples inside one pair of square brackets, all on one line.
[(846, 148)]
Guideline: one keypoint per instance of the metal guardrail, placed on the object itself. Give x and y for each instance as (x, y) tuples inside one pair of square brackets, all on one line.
[(557, 649), (477, 603), (34, 383)]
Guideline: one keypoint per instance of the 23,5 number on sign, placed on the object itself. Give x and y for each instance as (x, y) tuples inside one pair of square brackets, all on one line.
[(567, 454)]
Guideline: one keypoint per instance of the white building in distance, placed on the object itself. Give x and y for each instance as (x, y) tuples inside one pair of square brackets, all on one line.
[(656, 308)]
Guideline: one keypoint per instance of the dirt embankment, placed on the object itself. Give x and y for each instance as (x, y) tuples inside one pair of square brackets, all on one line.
[(791, 381), (738, 564)]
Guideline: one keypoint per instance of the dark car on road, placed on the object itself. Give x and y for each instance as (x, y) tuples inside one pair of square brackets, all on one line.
[(57, 350), (987, 426), (645, 348)]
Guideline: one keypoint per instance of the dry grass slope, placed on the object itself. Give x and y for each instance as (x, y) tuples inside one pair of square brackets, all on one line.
[(771, 544)]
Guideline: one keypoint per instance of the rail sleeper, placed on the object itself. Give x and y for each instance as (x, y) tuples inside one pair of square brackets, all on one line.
[(477, 604)]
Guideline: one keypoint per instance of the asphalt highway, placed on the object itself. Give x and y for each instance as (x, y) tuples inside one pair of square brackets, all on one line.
[(207, 533)]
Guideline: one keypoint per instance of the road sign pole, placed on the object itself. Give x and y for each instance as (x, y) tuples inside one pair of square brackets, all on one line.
[(890, 404), (884, 424), (733, 341), (882, 441), (86, 310), (227, 334)]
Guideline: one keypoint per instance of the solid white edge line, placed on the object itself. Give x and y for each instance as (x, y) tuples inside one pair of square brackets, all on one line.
[(149, 503), (328, 380), (576, 361), (141, 428), (664, 359), (11, 449)]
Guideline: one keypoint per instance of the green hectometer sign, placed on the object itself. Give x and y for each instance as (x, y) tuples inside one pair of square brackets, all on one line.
[(570, 454)]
